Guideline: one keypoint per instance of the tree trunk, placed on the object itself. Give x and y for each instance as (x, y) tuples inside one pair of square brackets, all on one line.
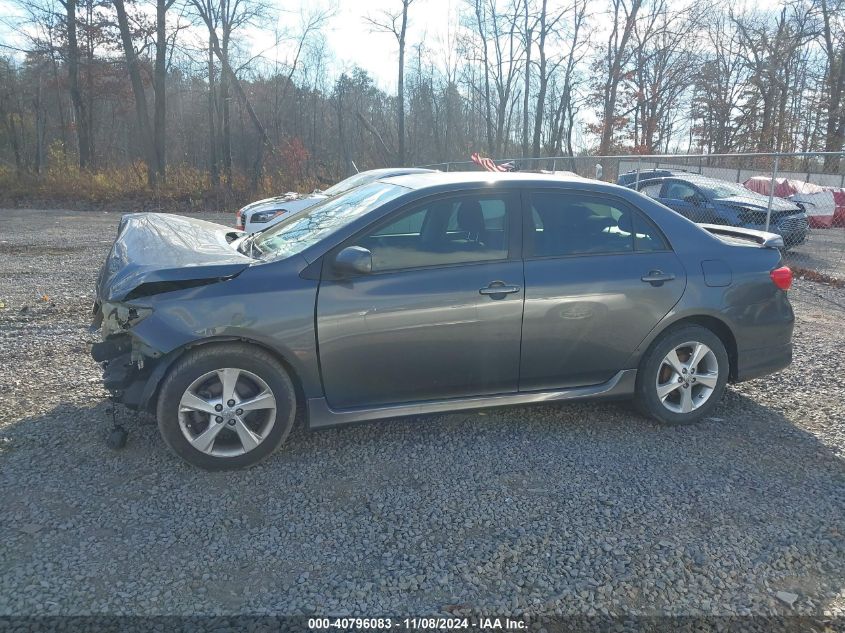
[(488, 119), (835, 78), (147, 147), (529, 36), (615, 57), (225, 121), (544, 80), (160, 86), (400, 97), (214, 167), (83, 134)]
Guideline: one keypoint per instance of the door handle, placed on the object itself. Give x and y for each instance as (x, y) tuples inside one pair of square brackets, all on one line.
[(499, 288), (657, 277)]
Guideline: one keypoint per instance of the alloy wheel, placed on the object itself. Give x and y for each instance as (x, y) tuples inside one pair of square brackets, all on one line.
[(227, 412), (687, 377)]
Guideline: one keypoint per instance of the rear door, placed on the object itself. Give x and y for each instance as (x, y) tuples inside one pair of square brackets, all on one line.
[(440, 315), (599, 276)]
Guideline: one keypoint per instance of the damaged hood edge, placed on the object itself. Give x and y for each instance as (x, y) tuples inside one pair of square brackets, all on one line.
[(162, 250)]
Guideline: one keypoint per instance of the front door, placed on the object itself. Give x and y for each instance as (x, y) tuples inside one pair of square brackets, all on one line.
[(439, 316), (598, 277), (686, 199)]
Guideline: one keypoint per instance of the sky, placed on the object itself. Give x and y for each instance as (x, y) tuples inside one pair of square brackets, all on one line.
[(351, 39), (354, 42)]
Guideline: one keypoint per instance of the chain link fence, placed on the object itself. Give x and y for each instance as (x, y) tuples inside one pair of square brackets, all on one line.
[(800, 196)]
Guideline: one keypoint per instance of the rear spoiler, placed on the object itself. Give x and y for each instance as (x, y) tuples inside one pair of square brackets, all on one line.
[(767, 240)]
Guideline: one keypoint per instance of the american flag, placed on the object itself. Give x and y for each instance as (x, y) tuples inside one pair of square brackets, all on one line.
[(489, 165)]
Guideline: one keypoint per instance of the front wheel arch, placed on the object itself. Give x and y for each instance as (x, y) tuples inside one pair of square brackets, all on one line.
[(163, 368)]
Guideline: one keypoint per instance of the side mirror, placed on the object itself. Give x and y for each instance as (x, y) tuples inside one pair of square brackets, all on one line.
[(354, 260)]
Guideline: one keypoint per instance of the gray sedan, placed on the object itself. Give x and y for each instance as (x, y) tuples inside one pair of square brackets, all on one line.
[(428, 293)]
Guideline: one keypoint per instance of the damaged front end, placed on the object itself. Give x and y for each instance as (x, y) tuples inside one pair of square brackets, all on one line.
[(127, 361), (153, 255)]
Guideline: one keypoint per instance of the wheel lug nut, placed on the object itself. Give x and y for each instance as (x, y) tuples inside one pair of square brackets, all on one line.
[(231, 403), (680, 379), (686, 386), (231, 423), (218, 419), (684, 370), (218, 407), (240, 411)]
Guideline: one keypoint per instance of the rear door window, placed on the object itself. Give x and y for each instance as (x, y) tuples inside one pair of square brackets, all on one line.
[(568, 223)]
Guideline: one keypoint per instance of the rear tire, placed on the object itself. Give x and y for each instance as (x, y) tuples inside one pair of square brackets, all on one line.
[(226, 406), (683, 375)]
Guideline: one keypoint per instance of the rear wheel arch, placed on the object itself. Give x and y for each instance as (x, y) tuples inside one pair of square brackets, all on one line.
[(715, 325)]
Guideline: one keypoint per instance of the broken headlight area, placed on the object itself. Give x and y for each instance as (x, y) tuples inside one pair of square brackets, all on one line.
[(115, 318), (126, 360)]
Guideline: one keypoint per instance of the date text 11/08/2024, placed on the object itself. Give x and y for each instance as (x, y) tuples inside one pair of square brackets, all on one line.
[(483, 623)]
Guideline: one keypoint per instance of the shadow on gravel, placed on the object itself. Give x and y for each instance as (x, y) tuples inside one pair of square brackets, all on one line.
[(541, 510)]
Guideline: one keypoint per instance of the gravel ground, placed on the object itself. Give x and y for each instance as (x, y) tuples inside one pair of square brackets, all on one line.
[(570, 509)]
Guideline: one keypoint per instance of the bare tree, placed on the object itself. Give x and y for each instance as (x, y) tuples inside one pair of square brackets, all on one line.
[(160, 86), (230, 14), (833, 39), (615, 56), (396, 22), (81, 114), (132, 66)]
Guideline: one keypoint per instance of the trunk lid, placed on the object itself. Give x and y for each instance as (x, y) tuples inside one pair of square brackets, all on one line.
[(735, 234), (167, 252)]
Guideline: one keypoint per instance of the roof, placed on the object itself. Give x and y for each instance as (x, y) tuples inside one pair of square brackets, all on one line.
[(436, 179)]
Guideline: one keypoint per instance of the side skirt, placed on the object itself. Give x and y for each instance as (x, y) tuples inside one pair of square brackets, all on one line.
[(321, 415)]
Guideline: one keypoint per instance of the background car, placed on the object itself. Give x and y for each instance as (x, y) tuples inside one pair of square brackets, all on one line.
[(428, 293), (709, 200), (262, 214)]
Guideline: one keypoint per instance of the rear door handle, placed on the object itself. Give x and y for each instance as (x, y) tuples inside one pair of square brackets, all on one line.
[(657, 277), (499, 288)]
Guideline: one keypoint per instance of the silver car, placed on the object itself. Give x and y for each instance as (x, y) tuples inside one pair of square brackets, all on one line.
[(262, 214)]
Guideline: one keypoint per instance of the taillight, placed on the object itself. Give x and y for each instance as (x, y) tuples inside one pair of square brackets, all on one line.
[(782, 277), (239, 225)]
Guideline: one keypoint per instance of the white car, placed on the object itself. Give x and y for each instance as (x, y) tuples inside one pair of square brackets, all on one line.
[(263, 214)]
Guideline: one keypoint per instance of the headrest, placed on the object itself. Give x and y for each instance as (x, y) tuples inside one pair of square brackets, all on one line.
[(470, 217)]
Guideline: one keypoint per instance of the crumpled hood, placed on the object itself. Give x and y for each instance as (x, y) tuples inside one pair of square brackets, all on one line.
[(157, 247), (762, 203)]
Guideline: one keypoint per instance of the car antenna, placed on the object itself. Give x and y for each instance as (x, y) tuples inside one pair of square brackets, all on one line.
[(354, 166)]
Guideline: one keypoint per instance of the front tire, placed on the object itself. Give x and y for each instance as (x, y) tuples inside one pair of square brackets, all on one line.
[(227, 406), (683, 375)]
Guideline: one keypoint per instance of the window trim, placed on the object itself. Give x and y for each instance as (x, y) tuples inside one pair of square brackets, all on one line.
[(514, 245), (528, 224)]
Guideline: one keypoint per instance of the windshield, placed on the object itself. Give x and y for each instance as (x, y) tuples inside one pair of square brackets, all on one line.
[(350, 183), (314, 224), (716, 189)]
